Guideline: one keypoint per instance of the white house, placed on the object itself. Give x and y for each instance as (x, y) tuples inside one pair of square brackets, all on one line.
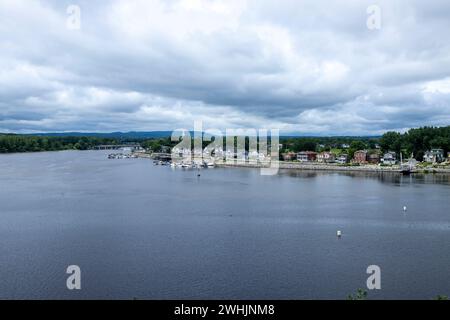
[(342, 159), (434, 156), (389, 158), (326, 157)]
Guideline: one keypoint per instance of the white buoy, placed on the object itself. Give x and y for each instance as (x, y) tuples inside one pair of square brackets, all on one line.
[(404, 208), (339, 233)]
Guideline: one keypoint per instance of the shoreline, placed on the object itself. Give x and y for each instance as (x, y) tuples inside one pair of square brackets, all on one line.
[(285, 165), (337, 168), (314, 166)]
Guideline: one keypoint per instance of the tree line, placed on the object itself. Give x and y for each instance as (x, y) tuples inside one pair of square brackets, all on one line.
[(25, 143), (417, 141)]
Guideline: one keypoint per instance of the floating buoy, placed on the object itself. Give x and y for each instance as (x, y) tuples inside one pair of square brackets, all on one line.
[(339, 233), (404, 208)]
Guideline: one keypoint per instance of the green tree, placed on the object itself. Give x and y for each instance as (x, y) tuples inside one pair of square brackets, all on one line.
[(359, 295), (391, 141)]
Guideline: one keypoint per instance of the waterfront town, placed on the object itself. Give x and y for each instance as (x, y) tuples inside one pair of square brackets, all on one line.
[(434, 160), (425, 149), (433, 156)]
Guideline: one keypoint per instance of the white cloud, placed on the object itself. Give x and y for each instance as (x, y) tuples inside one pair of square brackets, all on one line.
[(438, 86)]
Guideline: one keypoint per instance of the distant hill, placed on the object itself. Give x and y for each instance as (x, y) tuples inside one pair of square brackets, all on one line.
[(161, 134), (119, 135)]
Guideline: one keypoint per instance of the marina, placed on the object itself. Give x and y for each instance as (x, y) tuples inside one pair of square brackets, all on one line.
[(411, 166), (122, 156)]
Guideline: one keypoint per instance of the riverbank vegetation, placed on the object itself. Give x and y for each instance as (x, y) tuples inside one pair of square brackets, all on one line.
[(417, 141), (25, 143)]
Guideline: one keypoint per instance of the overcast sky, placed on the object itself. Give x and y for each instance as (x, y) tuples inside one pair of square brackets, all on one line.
[(308, 67)]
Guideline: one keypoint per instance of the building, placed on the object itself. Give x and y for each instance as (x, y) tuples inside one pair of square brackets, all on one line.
[(306, 156), (373, 158), (165, 149), (289, 156), (389, 158), (434, 156), (342, 159), (360, 156), (326, 157)]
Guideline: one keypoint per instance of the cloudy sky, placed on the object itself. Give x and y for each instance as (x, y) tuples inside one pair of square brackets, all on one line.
[(308, 67)]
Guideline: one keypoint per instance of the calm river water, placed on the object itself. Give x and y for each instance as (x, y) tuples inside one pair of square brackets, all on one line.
[(142, 231)]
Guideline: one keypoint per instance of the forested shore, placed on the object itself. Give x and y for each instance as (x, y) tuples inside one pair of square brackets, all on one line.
[(10, 143), (414, 141)]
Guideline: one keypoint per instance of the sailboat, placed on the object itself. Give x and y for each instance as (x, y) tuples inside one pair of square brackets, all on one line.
[(406, 168)]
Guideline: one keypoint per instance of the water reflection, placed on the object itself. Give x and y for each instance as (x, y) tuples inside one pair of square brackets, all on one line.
[(383, 177)]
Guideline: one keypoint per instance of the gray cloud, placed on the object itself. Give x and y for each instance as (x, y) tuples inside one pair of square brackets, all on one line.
[(308, 67)]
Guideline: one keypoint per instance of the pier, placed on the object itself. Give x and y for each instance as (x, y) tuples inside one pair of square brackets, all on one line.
[(161, 156)]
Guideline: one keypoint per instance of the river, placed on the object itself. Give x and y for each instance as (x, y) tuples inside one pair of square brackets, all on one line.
[(152, 232)]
